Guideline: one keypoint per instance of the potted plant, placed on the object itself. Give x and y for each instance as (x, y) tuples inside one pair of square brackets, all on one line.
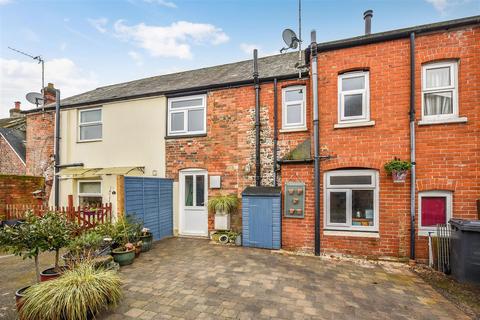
[(80, 293), (125, 253), (83, 248), (398, 169), (223, 206), (146, 237), (56, 231), (24, 240)]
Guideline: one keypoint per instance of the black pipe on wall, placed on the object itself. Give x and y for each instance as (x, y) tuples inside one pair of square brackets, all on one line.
[(258, 178), (57, 149), (412, 146), (275, 132)]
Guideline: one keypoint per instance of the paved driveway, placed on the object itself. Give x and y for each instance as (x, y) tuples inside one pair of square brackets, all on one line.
[(193, 279)]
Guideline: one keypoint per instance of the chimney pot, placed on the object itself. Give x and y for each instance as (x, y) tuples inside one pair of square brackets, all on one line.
[(17, 105), (367, 16)]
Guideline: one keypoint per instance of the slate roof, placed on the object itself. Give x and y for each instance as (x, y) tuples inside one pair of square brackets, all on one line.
[(15, 138), (269, 67), (16, 123)]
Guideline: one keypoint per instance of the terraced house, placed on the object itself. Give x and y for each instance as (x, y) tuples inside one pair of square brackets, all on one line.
[(411, 94)]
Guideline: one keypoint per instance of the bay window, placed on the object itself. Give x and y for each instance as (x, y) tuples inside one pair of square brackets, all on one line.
[(351, 200), (187, 115)]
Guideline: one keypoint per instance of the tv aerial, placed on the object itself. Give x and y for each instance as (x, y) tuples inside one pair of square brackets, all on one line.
[(35, 98), (293, 42)]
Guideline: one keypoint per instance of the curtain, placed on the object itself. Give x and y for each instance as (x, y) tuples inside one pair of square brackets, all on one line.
[(434, 211), (438, 103)]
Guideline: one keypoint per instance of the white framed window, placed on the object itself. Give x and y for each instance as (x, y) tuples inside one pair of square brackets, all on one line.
[(187, 115), (90, 193), (90, 124), (351, 200), (294, 111), (434, 207), (439, 91), (353, 97)]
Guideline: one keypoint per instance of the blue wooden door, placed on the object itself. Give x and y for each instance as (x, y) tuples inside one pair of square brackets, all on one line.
[(151, 200), (260, 222)]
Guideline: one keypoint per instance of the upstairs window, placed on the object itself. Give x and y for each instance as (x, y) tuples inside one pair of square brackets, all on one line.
[(439, 91), (90, 124), (353, 97), (351, 200), (187, 115), (294, 108)]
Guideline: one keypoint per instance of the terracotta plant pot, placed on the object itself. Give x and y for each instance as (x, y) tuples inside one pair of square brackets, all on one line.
[(299, 191), (291, 210), (123, 257), (291, 191), (146, 242), (50, 273), (399, 176), (19, 297)]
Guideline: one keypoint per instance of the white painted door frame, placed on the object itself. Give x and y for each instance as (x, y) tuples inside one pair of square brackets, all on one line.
[(193, 220)]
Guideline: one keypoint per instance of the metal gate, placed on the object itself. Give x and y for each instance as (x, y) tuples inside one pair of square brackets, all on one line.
[(151, 200), (261, 216)]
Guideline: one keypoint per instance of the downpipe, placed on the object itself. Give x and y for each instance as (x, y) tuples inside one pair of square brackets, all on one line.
[(412, 146), (275, 131), (258, 178), (316, 139), (56, 181)]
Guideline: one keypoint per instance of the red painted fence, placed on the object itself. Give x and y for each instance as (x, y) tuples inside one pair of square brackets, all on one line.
[(85, 217)]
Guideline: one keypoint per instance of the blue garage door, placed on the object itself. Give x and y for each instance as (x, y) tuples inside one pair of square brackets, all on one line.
[(261, 217), (150, 200)]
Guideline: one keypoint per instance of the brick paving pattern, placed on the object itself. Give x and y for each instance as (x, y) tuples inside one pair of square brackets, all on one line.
[(193, 279)]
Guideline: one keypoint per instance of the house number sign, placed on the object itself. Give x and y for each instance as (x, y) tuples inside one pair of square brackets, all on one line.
[(294, 200)]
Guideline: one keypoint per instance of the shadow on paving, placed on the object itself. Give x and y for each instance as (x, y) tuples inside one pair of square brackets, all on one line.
[(193, 279)]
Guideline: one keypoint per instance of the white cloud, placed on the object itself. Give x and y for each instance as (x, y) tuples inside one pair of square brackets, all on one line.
[(170, 41), (3, 2), (247, 48), (136, 57), (443, 5), (17, 78), (165, 3), (99, 24)]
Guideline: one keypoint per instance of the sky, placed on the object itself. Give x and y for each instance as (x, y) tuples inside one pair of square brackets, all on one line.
[(92, 43)]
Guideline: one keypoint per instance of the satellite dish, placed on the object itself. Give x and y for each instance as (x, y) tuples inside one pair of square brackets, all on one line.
[(290, 39), (34, 97)]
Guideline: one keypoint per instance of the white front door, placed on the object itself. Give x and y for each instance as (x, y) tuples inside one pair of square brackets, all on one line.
[(193, 203)]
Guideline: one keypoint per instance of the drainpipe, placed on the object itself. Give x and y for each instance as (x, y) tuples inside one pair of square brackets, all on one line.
[(316, 142), (258, 178), (57, 148), (412, 146), (275, 131)]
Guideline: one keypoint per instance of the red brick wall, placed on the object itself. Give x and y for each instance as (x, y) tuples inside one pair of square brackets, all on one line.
[(40, 146), (10, 163), (447, 155), (18, 190)]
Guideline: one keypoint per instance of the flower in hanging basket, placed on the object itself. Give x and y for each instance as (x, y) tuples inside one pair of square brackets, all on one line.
[(398, 169)]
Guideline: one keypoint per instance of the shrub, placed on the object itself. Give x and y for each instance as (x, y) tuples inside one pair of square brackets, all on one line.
[(397, 165), (78, 294), (57, 232), (84, 246), (223, 203)]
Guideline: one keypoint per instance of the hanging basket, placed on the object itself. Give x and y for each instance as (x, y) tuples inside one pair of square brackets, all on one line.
[(399, 176)]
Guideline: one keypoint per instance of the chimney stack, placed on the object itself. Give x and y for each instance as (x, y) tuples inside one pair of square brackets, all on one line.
[(16, 112), (49, 93), (367, 16)]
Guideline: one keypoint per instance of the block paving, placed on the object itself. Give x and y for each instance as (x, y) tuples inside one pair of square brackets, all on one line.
[(184, 278)]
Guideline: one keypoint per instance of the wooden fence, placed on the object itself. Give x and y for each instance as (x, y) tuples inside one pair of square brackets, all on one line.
[(85, 217)]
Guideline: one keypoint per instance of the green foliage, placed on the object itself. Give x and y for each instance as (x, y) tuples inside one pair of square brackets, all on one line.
[(84, 246), (78, 294), (223, 203), (125, 230), (397, 165), (56, 231)]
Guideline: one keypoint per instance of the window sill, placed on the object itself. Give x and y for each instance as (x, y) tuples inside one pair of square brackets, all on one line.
[(185, 136), (424, 232), (359, 234), (302, 129), (354, 124), (443, 121), (93, 140)]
